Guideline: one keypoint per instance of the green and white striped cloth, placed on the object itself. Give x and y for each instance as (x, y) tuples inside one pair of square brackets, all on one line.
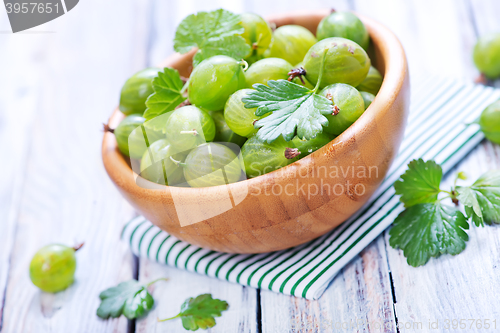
[(437, 129)]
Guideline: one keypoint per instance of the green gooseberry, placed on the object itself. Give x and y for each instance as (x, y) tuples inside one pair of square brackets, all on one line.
[(189, 126), (156, 164), (240, 119), (345, 62), (52, 268), (372, 82), (136, 91), (267, 69), (214, 80), (307, 147), (346, 25), (290, 42), (486, 55), (130, 136), (261, 157), (367, 98), (211, 164), (348, 106), (222, 132), (257, 33), (490, 122)]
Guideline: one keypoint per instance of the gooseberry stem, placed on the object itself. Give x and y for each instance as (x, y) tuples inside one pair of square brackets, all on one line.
[(160, 320), (106, 128), (179, 163), (154, 281), (291, 153), (78, 246), (244, 64), (321, 72), (193, 132)]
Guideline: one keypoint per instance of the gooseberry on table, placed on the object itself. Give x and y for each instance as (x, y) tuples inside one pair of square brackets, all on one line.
[(136, 91), (372, 82), (486, 55), (348, 106), (345, 62), (52, 268), (290, 42), (240, 119), (214, 80), (188, 127), (490, 122), (345, 25), (211, 164)]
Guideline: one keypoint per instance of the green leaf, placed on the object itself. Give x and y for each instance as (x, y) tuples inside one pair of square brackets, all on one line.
[(231, 46), (427, 230), (168, 93), (129, 298), (296, 110), (215, 32), (482, 199), (200, 312), (420, 183)]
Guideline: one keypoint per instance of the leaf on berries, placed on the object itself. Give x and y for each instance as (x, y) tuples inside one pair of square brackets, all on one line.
[(215, 32), (296, 110), (200, 312), (427, 230), (167, 96), (420, 183), (482, 199), (129, 298)]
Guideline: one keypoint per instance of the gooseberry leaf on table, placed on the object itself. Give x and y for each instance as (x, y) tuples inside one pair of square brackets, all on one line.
[(200, 312), (420, 183), (129, 298), (167, 96), (213, 33), (482, 199), (296, 110), (427, 230)]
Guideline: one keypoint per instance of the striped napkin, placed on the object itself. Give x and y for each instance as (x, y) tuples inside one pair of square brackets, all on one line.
[(437, 129)]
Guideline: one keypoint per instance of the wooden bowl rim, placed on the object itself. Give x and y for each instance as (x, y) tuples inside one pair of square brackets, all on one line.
[(395, 65)]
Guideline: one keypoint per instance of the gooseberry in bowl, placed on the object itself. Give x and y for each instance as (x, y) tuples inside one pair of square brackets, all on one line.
[(131, 136), (222, 131), (306, 147), (487, 55), (136, 91), (490, 122), (348, 106), (214, 80), (257, 33), (344, 62), (156, 165), (188, 127), (346, 25), (290, 42), (372, 82), (240, 119), (52, 268), (261, 157), (367, 98), (211, 164)]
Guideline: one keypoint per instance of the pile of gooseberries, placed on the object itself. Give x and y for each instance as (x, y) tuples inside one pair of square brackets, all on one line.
[(211, 138)]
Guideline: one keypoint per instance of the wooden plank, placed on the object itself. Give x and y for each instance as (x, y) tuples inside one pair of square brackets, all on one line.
[(240, 317), (66, 195), (359, 299)]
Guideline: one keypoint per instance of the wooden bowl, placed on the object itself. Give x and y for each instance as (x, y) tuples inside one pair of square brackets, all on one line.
[(294, 204)]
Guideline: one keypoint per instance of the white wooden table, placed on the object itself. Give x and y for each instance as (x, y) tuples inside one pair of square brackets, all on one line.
[(59, 82)]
